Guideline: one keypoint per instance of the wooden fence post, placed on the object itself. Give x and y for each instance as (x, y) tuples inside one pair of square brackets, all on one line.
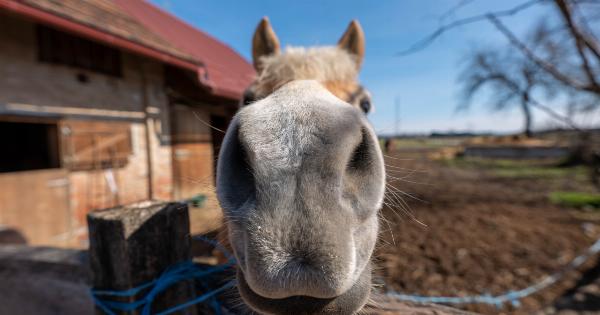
[(134, 244)]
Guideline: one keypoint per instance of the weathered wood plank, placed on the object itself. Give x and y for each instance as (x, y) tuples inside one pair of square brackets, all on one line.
[(134, 244)]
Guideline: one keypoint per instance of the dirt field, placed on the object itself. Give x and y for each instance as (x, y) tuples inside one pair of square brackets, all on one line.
[(483, 227)]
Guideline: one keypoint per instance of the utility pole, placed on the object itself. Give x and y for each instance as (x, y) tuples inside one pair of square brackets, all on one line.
[(397, 122)]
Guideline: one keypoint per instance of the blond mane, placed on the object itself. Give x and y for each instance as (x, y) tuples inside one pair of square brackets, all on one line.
[(328, 64)]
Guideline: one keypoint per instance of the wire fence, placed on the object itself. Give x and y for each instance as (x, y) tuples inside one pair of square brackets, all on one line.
[(513, 297)]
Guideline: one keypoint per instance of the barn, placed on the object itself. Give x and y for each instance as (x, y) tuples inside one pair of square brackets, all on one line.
[(103, 103)]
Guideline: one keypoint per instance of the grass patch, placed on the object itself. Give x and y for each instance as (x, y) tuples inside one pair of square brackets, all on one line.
[(516, 169), (575, 199), (538, 172), (421, 143)]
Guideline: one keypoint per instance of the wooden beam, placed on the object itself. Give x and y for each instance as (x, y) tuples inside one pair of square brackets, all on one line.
[(134, 244)]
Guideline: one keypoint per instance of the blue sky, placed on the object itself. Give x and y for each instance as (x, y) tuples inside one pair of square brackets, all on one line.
[(425, 83)]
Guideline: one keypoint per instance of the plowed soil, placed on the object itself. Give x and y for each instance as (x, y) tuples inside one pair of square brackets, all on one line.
[(467, 230)]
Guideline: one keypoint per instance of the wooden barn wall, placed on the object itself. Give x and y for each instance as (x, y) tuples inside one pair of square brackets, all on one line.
[(95, 186), (192, 151), (36, 203), (193, 163), (30, 88), (26, 80)]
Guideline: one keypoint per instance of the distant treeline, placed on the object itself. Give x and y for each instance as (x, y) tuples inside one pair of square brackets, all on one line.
[(453, 134)]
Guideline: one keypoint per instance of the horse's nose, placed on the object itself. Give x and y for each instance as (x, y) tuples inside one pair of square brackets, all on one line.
[(309, 139), (299, 175), (297, 236)]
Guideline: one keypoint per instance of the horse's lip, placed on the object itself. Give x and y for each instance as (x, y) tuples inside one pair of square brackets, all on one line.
[(347, 303)]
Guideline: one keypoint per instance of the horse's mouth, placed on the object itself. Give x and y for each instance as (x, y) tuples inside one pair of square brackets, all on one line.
[(348, 303)]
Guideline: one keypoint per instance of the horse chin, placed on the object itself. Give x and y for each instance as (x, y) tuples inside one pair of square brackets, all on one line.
[(349, 302)]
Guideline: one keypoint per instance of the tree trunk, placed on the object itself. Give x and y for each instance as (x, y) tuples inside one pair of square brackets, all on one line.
[(526, 114)]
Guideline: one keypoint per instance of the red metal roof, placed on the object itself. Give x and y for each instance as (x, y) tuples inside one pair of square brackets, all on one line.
[(140, 27)]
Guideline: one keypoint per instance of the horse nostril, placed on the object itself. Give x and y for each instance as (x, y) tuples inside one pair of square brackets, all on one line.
[(235, 181), (362, 155)]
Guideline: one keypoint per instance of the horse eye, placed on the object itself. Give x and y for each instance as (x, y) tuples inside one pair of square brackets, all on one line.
[(365, 105), (248, 98)]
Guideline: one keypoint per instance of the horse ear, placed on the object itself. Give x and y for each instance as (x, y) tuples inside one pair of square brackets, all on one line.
[(264, 42), (353, 41)]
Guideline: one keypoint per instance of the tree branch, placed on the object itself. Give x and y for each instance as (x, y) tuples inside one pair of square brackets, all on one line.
[(453, 9), (423, 43), (494, 74), (589, 39), (548, 67), (580, 39)]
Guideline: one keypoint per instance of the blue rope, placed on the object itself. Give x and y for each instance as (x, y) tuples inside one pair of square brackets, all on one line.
[(512, 297), (174, 274), (188, 270)]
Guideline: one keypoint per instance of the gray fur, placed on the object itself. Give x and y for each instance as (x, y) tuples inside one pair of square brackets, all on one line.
[(300, 179)]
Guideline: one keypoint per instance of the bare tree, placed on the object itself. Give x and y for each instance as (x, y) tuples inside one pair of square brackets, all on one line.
[(567, 52), (559, 51), (509, 79)]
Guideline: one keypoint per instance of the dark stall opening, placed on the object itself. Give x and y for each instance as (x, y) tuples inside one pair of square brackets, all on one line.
[(28, 146)]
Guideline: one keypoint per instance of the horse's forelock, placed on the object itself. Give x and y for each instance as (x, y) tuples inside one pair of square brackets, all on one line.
[(324, 64)]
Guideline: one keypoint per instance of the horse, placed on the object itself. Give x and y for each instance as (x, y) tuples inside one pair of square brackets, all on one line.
[(301, 179)]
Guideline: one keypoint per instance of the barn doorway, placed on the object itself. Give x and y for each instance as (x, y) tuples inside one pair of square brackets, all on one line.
[(35, 189), (28, 146)]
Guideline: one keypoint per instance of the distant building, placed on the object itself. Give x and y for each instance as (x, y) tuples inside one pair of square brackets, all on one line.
[(106, 102)]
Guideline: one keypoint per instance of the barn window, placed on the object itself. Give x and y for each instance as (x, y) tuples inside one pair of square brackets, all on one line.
[(90, 145), (28, 146), (65, 49)]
